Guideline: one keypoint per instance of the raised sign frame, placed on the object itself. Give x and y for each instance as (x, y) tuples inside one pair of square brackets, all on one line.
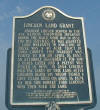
[(86, 56)]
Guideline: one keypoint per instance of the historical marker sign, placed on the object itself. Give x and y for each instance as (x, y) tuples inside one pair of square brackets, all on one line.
[(49, 59)]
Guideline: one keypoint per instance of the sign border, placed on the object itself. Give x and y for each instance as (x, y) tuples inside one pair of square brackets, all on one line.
[(86, 55)]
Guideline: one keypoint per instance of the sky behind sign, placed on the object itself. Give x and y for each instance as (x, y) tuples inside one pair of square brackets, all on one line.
[(89, 9)]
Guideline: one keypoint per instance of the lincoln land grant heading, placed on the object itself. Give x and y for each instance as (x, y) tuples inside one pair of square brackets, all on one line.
[(48, 25)]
